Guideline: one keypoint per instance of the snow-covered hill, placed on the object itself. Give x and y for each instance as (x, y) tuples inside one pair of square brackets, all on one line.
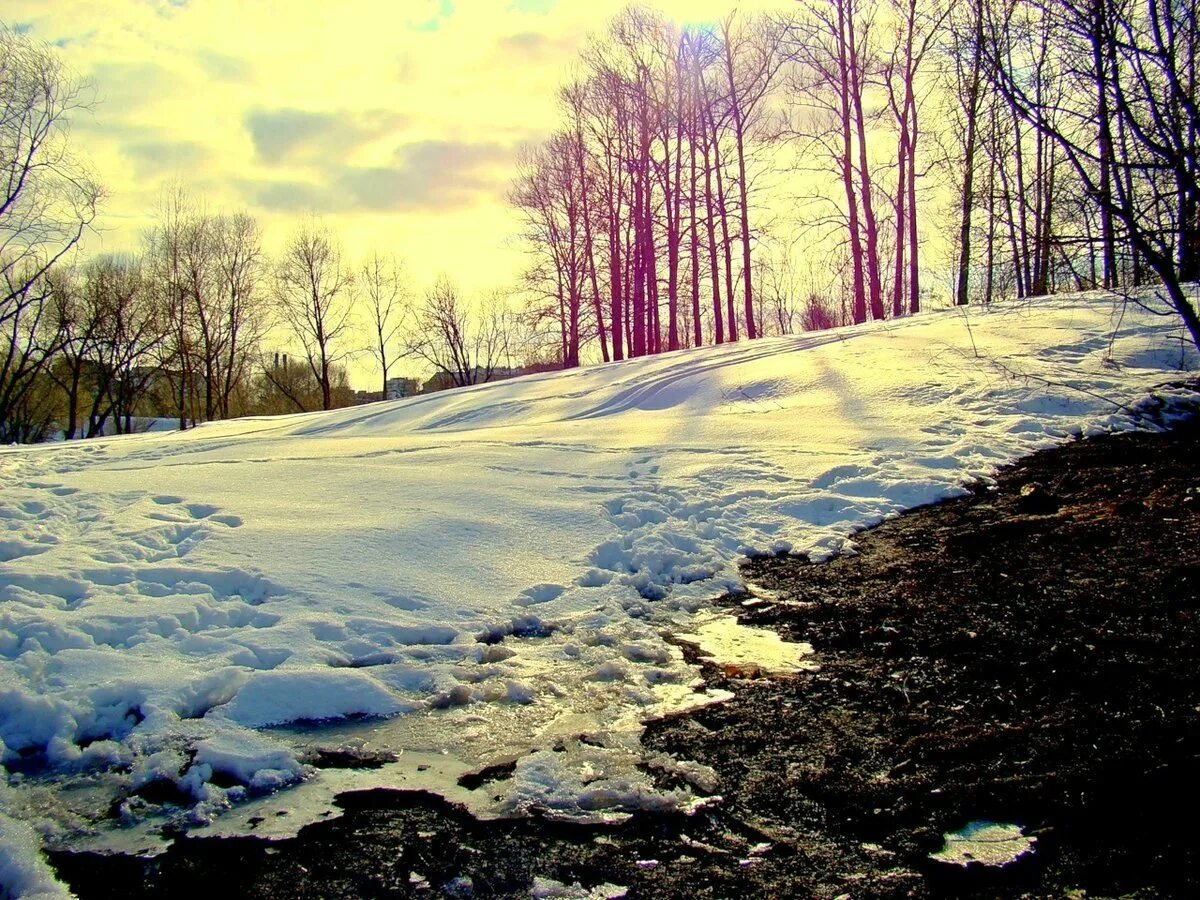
[(480, 574)]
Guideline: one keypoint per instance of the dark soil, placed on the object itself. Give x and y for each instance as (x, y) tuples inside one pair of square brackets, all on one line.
[(1027, 654)]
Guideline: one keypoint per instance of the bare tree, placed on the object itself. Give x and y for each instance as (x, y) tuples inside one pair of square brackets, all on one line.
[(78, 322), (1132, 66), (752, 57), (824, 87), (125, 331), (237, 257), (47, 200), (966, 51), (382, 281), (465, 346), (315, 293), (551, 196), (206, 270)]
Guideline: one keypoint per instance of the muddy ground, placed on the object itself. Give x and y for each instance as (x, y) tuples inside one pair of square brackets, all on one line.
[(1028, 654)]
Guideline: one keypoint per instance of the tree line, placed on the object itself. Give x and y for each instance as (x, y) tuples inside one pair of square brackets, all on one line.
[(185, 329), (1052, 141)]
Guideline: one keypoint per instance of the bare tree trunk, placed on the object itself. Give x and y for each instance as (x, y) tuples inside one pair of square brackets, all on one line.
[(971, 113), (914, 273), (871, 227), (673, 200), (641, 181), (740, 143), (697, 333), (1024, 269), (722, 209), (615, 269), (589, 240), (718, 328), (856, 253), (901, 219)]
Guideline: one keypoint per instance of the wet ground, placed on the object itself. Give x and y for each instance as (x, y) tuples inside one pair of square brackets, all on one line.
[(1029, 654)]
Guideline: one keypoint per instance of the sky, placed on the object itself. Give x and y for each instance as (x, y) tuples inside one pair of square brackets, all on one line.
[(399, 122)]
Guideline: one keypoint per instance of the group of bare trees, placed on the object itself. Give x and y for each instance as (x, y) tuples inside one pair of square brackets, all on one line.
[(172, 331), (1109, 88), (1043, 144), (186, 329), (641, 204), (201, 323)]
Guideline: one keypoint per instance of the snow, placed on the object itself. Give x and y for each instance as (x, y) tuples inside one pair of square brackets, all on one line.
[(483, 574), (23, 872)]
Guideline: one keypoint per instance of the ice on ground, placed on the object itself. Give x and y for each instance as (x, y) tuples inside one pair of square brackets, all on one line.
[(744, 649), (545, 888), (190, 624), (986, 843)]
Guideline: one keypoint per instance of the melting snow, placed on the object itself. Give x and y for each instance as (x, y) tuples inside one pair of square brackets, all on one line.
[(188, 620)]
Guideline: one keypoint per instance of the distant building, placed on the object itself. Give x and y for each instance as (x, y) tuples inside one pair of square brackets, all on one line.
[(442, 381), (399, 388), (361, 397)]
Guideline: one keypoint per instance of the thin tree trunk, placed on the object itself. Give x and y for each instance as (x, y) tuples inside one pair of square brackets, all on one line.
[(739, 138), (870, 224), (697, 334), (856, 255), (968, 193), (731, 331), (718, 328)]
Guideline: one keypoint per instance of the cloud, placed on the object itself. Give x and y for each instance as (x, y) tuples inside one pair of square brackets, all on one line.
[(125, 88), (280, 133), (425, 176), (527, 42), (292, 196), (428, 175), (296, 135), (534, 46), (154, 157), (223, 67)]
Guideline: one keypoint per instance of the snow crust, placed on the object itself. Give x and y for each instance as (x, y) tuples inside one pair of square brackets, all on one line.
[(188, 621)]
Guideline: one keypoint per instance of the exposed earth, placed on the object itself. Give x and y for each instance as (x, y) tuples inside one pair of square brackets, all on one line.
[(1027, 655)]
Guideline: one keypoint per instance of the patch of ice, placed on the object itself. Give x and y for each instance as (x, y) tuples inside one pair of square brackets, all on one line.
[(548, 889), (743, 649), (986, 843), (588, 784)]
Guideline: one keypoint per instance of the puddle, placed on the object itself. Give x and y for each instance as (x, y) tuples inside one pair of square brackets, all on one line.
[(747, 651)]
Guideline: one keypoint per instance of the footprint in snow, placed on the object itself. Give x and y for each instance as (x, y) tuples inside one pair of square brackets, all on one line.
[(539, 593), (200, 510)]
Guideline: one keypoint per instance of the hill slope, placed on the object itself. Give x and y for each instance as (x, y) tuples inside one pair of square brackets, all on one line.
[(498, 564)]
